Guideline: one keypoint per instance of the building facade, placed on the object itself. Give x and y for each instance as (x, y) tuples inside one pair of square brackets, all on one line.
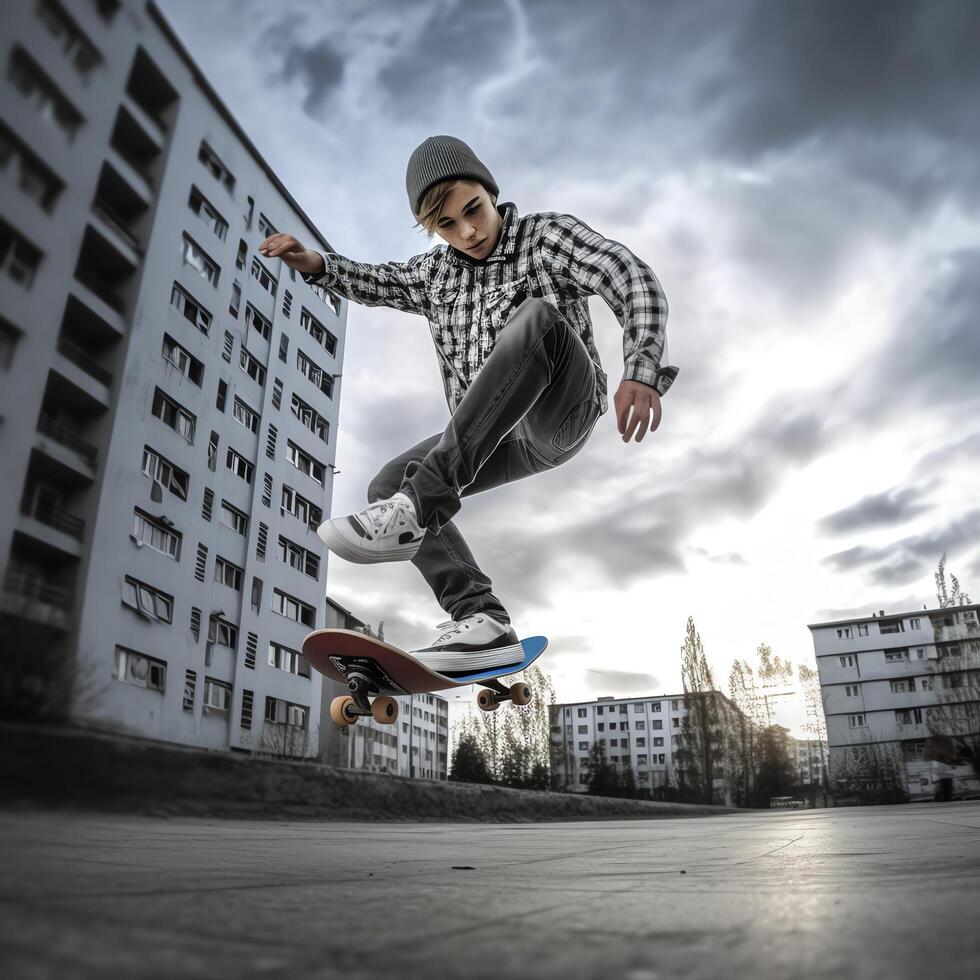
[(888, 684), (810, 759), (168, 397)]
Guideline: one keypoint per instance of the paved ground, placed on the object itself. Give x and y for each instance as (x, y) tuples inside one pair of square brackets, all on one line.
[(888, 892)]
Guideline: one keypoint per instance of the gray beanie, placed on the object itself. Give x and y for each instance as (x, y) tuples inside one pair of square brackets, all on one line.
[(440, 158)]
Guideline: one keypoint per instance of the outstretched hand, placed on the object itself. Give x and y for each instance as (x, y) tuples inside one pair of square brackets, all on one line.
[(645, 402)]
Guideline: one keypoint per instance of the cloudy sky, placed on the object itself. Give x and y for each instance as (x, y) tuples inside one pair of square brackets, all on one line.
[(803, 179)]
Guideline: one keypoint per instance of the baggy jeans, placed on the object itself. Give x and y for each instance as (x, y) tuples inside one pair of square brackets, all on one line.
[(531, 407)]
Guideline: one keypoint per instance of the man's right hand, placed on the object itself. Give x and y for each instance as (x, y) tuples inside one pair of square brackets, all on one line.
[(292, 252)]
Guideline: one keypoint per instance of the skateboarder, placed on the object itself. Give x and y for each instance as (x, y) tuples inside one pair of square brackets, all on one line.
[(507, 303)]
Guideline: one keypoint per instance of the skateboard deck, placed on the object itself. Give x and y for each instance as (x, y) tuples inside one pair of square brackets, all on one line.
[(373, 669)]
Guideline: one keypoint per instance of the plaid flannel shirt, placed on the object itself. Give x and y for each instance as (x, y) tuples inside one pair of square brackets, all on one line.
[(467, 302)]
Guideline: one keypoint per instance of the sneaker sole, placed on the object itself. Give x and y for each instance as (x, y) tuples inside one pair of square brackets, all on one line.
[(349, 551), (460, 662)]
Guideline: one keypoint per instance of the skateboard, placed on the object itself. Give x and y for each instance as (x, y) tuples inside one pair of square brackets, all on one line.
[(373, 670)]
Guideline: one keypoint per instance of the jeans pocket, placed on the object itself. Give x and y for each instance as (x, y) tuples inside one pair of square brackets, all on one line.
[(576, 425)]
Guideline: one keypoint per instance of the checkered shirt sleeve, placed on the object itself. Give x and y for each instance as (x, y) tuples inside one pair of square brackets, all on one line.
[(401, 285), (591, 265)]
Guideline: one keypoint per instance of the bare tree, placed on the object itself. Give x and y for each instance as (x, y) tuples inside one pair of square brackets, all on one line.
[(701, 741)]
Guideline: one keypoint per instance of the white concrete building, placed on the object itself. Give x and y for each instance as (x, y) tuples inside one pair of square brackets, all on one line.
[(641, 733), (882, 677), (168, 397)]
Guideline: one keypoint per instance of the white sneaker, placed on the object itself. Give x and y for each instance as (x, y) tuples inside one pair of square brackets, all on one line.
[(387, 530), (476, 643)]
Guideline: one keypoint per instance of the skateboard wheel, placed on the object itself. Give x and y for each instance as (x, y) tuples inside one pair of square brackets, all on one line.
[(340, 711), (520, 694), (384, 711), (487, 700)]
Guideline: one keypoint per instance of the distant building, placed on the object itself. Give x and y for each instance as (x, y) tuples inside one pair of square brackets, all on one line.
[(810, 759), (639, 733), (168, 399), (416, 745), (889, 684)]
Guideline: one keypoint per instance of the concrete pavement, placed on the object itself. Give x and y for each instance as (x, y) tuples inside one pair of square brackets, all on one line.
[(887, 892)]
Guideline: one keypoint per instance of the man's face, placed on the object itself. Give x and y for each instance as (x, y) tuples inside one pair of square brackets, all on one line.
[(469, 220)]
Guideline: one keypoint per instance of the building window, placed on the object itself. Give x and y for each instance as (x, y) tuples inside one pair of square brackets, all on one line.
[(891, 626), (327, 297), (856, 721), (904, 686), (183, 360), (291, 661), (852, 690), (896, 657), (583, 712), (228, 573), (239, 465), (28, 171), (862, 629), (318, 332), (190, 688), (147, 601), (140, 670), (43, 95), (310, 418), (292, 608), (162, 471), (208, 213), (251, 366), (265, 227), (915, 623), (306, 463), (222, 633), (657, 725), (844, 632), (214, 166), (847, 660), (298, 557), (258, 322), (217, 695), (182, 300), (314, 373), (19, 259), (156, 535), (297, 505), (248, 417), (279, 712), (655, 707), (263, 277), (174, 415), (234, 518), (193, 255)]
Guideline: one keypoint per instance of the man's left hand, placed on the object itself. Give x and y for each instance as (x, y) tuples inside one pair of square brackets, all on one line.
[(645, 402)]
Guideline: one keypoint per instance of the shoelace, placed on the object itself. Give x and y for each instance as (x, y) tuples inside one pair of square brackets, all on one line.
[(459, 627), (376, 512)]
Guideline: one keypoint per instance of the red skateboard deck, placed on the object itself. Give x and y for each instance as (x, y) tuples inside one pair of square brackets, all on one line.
[(370, 667)]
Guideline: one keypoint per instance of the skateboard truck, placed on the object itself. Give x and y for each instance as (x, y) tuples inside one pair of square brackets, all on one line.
[(346, 709), (494, 694)]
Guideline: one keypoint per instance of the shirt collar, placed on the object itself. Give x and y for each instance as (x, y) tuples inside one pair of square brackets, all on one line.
[(506, 243)]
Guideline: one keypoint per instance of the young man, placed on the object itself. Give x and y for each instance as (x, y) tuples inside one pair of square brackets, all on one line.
[(507, 303)]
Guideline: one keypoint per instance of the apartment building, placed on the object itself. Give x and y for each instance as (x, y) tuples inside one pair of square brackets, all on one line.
[(886, 681), (639, 733), (810, 758), (416, 747), (168, 397)]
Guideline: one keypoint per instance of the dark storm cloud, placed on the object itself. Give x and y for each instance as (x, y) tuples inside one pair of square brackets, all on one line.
[(877, 510), (620, 683), (317, 65), (932, 358), (912, 557), (817, 68)]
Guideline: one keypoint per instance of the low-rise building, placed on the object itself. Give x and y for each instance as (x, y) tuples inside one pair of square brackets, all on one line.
[(891, 685)]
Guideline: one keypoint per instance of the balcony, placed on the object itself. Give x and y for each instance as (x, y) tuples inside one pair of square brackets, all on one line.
[(150, 90), (43, 504), (958, 631), (66, 435), (81, 359), (28, 595)]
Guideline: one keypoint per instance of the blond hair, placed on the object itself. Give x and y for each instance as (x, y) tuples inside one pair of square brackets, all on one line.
[(431, 205)]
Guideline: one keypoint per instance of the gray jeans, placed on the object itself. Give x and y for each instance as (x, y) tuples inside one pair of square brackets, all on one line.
[(531, 407)]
